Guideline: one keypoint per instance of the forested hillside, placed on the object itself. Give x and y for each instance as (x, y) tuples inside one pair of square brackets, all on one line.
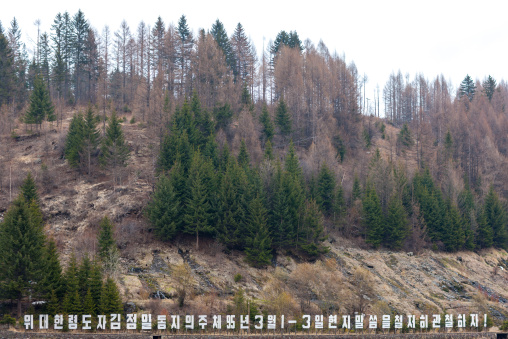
[(193, 138)]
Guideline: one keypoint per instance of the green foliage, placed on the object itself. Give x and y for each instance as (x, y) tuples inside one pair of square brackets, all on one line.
[(21, 250), (290, 40), (292, 164), (74, 141), (495, 215), (405, 137), (340, 148), (489, 86), (258, 243), (396, 226), (310, 236), (110, 300), (52, 281), (382, 129), (40, 108), (53, 306), (223, 115), (367, 137), (448, 143), (243, 156), (373, 218), (339, 206), (197, 217), (88, 304), (283, 119), (114, 150), (72, 301), (106, 239), (325, 190), (237, 277), (95, 287), (467, 88), (164, 209), (357, 190), (232, 206), (268, 150), (7, 319), (246, 99), (266, 122), (29, 189), (6, 71), (221, 37), (91, 137), (205, 193), (84, 275)]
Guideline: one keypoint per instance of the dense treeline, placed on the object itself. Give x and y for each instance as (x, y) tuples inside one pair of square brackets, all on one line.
[(30, 265), (207, 191), (151, 70), (217, 96)]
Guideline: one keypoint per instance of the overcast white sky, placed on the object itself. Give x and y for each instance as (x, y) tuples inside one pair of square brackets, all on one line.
[(453, 38)]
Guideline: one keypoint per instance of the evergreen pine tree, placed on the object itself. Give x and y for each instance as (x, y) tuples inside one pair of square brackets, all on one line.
[(373, 218), (484, 233), (243, 156), (339, 203), (396, 229), (53, 305), (91, 136), (29, 189), (283, 119), (175, 148), (7, 73), (232, 206), (246, 100), (114, 150), (163, 210), (258, 243), (448, 144), (106, 240), (96, 286), (467, 88), (74, 141), (310, 234), (292, 164), (223, 115), (40, 108), (266, 121), (53, 280), (405, 137), (496, 219), (280, 226), (326, 189), (357, 191), (268, 150), (72, 301), (197, 207), (88, 304), (110, 300), (489, 86), (21, 250), (84, 276), (221, 37), (453, 235)]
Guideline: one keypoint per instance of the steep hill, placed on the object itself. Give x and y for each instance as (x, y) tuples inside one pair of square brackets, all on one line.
[(149, 272)]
